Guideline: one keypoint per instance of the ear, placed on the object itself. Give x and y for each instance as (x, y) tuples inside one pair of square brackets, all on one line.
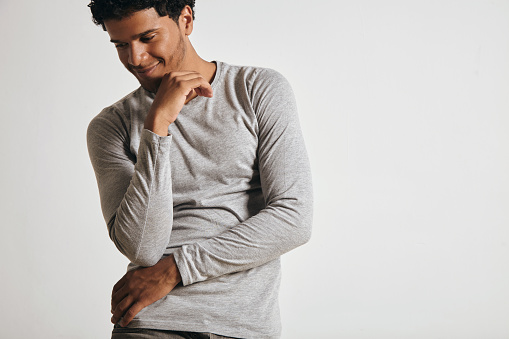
[(186, 20)]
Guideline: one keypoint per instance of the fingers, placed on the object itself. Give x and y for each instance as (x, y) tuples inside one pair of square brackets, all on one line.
[(119, 284), (187, 81), (204, 91), (195, 83), (121, 309), (131, 313), (117, 297), (125, 302), (126, 310)]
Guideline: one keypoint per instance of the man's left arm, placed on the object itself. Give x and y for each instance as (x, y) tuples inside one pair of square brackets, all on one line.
[(285, 222)]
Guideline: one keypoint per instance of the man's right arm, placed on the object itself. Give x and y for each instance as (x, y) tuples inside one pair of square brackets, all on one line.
[(136, 192)]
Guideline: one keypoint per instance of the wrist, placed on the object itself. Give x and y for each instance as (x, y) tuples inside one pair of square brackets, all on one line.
[(156, 124), (173, 273)]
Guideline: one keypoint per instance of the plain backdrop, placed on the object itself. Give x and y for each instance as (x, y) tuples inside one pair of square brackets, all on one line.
[(404, 107)]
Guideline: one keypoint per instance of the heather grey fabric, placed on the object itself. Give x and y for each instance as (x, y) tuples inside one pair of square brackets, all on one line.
[(228, 191)]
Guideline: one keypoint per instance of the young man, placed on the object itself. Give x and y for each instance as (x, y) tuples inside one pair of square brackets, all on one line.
[(203, 178)]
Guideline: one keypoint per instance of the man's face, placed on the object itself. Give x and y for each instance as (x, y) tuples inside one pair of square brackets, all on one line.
[(148, 45)]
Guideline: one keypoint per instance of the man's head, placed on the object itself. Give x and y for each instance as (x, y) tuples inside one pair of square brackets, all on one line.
[(103, 10), (151, 37)]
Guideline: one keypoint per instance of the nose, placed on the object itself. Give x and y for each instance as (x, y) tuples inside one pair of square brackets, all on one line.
[(137, 53)]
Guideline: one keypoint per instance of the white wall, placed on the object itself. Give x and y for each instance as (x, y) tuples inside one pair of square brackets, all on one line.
[(404, 106)]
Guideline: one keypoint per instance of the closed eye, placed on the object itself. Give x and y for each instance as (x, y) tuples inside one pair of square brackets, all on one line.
[(147, 38)]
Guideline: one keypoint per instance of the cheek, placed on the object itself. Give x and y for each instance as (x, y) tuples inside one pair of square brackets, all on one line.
[(122, 56), (156, 52)]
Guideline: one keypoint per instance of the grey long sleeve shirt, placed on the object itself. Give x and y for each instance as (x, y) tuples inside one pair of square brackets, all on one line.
[(227, 192)]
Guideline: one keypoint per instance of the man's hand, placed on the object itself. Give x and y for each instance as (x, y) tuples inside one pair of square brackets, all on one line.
[(175, 90), (142, 287)]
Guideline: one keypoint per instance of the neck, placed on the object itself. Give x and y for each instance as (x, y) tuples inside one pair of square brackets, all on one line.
[(195, 63)]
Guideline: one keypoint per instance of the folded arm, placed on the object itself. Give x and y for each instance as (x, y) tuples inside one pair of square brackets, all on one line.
[(285, 222), (135, 192)]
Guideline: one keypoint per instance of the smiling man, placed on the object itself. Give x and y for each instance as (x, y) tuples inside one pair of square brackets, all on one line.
[(203, 178)]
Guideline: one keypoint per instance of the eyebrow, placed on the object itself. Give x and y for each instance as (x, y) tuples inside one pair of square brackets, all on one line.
[(134, 37)]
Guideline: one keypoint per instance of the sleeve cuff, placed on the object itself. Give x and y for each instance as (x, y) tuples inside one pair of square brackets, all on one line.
[(182, 267), (149, 135)]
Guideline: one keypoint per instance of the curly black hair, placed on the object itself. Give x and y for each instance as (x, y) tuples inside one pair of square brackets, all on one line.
[(117, 9)]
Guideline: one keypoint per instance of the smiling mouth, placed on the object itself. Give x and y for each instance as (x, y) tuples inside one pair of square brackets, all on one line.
[(145, 71)]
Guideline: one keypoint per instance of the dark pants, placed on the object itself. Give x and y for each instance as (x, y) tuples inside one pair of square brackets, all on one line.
[(143, 333)]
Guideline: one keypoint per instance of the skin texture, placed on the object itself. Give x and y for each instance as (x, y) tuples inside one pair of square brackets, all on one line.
[(142, 287), (157, 51)]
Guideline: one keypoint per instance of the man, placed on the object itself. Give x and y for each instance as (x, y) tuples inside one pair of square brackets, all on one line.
[(203, 178)]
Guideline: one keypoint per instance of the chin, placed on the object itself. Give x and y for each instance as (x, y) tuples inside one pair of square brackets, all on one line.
[(150, 86)]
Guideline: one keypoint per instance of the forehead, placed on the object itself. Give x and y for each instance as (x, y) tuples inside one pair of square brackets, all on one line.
[(135, 24)]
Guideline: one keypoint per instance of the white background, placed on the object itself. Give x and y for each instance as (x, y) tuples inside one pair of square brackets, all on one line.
[(405, 110)]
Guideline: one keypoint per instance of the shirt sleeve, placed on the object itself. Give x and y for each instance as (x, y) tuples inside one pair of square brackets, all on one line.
[(135, 190), (285, 175)]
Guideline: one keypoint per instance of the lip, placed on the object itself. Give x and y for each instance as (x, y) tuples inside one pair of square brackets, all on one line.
[(147, 71)]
